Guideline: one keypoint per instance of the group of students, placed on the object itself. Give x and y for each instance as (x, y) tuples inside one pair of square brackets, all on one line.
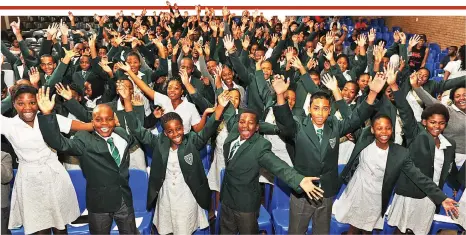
[(274, 98)]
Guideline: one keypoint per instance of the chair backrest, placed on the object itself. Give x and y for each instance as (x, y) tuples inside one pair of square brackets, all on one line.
[(437, 79), (281, 195), (139, 183), (79, 183)]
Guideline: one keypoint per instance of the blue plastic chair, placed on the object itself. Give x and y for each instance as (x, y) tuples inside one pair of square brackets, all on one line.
[(437, 225), (386, 36), (79, 183), (264, 220), (435, 46), (395, 28), (430, 67), (385, 29), (374, 22), (335, 226), (381, 22), (437, 79), (440, 56), (437, 72), (281, 207)]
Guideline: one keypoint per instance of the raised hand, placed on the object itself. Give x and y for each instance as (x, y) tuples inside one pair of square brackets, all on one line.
[(105, 67), (403, 38), (137, 100), (34, 75), (312, 191), (280, 86), (329, 38), (52, 29), (289, 54), (123, 91), (213, 25), (184, 76), (414, 40), (245, 42), (378, 82), (312, 63), (330, 82), (158, 112), (63, 28), (396, 36), (71, 16), (228, 42), (372, 34), (64, 92), (328, 54), (15, 26), (44, 102), (71, 53), (296, 63), (123, 66), (223, 98), (362, 40), (259, 63), (391, 74), (414, 80)]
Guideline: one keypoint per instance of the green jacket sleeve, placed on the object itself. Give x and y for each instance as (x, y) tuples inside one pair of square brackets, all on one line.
[(78, 110), (208, 131), (410, 127), (356, 119), (137, 130)]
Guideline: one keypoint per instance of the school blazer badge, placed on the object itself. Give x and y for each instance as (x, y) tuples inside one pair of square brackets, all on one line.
[(189, 159), (332, 142)]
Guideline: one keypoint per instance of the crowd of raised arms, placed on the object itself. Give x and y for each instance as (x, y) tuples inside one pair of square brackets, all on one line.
[(286, 125)]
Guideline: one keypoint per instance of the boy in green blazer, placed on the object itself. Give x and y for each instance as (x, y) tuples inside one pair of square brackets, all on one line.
[(104, 159), (316, 143)]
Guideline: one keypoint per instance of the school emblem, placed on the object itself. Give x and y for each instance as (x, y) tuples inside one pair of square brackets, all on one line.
[(189, 159), (332, 142)]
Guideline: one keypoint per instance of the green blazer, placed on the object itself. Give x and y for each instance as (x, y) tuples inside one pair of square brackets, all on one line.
[(421, 150), (398, 162), (433, 87), (188, 155), (312, 158), (106, 182), (241, 188)]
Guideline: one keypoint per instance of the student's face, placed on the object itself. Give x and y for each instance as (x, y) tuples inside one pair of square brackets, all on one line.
[(87, 89), (174, 90), (15, 43), (382, 130), (267, 69), (423, 76), (435, 124), (421, 42), (134, 63), (127, 84), (174, 131), (309, 45), (26, 107), (102, 52), (125, 24), (338, 49), (247, 125), (4, 92), (389, 94), (451, 51), (103, 120), (343, 63), (227, 76), (363, 81), (319, 110), (253, 49), (278, 29), (258, 54), (235, 98), (79, 48), (290, 96), (349, 92), (211, 66), (188, 65), (385, 61), (315, 79), (158, 30), (47, 65), (156, 63), (459, 99), (84, 63)]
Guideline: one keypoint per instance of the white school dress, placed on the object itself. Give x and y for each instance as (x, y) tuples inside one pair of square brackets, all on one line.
[(218, 163), (43, 195), (177, 211), (462, 208), (278, 148), (405, 211), (361, 203)]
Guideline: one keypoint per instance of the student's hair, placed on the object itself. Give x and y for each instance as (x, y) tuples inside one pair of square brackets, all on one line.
[(97, 85), (380, 116), (236, 89), (435, 109), (22, 89), (455, 48), (261, 48), (335, 24), (362, 74), (355, 85), (47, 55), (461, 54), (251, 111), (210, 60), (102, 47), (313, 72), (453, 91), (132, 53), (320, 95), (75, 88), (170, 116)]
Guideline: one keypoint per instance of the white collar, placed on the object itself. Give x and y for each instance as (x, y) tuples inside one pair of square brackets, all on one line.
[(225, 87), (315, 127), (240, 141), (453, 106), (444, 143)]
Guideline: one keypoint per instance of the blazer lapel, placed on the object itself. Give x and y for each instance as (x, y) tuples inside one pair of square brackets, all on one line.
[(311, 132), (164, 148), (122, 134), (325, 139), (244, 146), (226, 146), (106, 155), (391, 166)]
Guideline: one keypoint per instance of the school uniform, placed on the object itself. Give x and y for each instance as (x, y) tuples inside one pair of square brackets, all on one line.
[(436, 163), (180, 194), (316, 158), (137, 160), (240, 193), (371, 175), (79, 77), (105, 163)]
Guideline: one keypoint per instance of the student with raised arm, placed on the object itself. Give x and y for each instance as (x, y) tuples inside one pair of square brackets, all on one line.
[(316, 146), (432, 153), (371, 174), (178, 187)]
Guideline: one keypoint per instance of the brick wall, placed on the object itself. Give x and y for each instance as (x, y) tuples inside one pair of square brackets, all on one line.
[(444, 30)]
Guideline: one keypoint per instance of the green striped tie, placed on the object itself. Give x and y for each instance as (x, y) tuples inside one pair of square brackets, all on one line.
[(114, 151), (320, 134)]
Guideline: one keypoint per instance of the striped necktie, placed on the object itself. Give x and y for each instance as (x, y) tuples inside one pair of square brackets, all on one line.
[(114, 151), (233, 150), (319, 133)]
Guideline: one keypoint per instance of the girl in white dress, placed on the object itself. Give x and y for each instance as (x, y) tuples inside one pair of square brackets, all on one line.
[(178, 185), (432, 153), (371, 175), (43, 195)]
